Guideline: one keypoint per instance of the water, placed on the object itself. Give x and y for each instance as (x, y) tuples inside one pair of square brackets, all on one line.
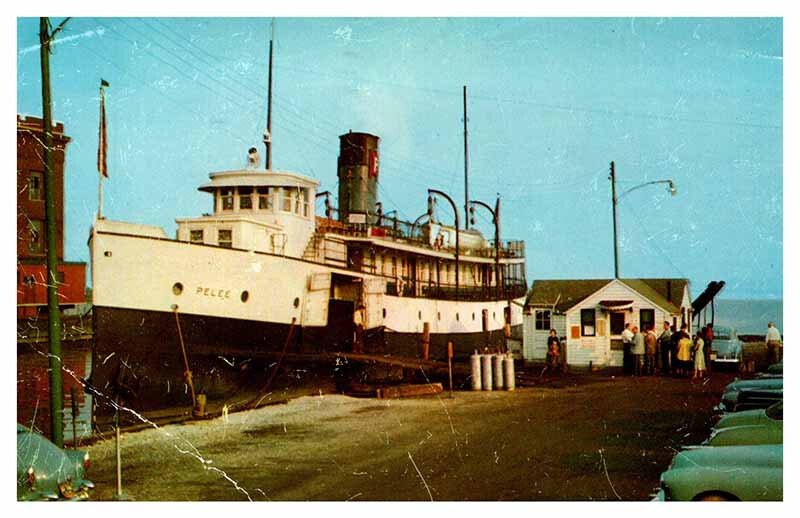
[(749, 317)]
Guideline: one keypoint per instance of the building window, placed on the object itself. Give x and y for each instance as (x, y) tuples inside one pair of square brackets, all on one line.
[(647, 319), (617, 323), (245, 198), (543, 320), (225, 238), (587, 322), (264, 199), (36, 243), (227, 199), (35, 186), (196, 236)]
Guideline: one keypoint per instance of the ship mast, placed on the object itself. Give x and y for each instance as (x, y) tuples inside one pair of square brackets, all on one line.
[(466, 166), (268, 134)]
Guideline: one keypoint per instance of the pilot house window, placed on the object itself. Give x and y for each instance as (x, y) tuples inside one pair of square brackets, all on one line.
[(286, 202), (245, 198), (227, 199), (264, 199), (196, 236), (225, 238)]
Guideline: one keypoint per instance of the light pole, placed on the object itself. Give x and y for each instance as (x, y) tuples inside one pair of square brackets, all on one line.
[(496, 220), (432, 192), (615, 200)]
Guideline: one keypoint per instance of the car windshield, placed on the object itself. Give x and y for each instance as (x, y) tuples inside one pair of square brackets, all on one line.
[(722, 333), (775, 411)]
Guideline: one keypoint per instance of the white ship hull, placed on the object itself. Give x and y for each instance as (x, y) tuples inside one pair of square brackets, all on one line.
[(234, 305)]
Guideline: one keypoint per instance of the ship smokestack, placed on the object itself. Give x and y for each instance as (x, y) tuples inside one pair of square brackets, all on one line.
[(358, 177)]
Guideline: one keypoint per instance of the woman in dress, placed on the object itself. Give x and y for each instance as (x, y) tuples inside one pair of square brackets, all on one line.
[(684, 354), (699, 357)]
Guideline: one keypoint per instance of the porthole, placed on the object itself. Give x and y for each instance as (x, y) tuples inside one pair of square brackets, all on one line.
[(296, 301), (384, 312), (107, 253), (245, 296), (177, 288)]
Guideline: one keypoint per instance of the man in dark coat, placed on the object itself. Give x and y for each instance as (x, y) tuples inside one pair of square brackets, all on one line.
[(665, 348)]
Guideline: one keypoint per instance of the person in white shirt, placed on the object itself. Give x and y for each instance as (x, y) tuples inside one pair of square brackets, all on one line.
[(774, 344), (627, 341)]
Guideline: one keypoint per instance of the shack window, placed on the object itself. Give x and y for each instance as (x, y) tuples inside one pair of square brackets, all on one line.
[(35, 182), (543, 320), (225, 238), (264, 199), (227, 199), (196, 236), (647, 318), (245, 198), (587, 322)]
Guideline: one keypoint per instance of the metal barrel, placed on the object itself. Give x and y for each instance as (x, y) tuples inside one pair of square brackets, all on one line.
[(497, 371), (475, 370), (486, 371), (508, 368)]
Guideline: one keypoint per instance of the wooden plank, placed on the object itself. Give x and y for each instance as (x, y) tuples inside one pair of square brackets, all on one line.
[(400, 391)]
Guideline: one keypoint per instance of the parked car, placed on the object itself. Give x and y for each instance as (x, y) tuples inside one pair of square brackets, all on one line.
[(46, 472), (761, 426), (749, 394), (776, 368), (724, 473), (726, 346)]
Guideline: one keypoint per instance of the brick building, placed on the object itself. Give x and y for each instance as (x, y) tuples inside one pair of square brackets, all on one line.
[(31, 238)]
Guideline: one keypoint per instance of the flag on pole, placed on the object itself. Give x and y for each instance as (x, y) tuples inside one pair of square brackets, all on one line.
[(102, 144)]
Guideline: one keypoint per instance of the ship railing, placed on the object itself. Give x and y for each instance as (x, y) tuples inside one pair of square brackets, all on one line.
[(511, 290), (399, 231)]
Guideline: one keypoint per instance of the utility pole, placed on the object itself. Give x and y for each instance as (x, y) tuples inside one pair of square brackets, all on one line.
[(466, 165), (53, 315), (613, 179), (268, 135)]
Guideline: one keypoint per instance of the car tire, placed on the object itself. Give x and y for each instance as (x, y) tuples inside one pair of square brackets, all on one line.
[(715, 497)]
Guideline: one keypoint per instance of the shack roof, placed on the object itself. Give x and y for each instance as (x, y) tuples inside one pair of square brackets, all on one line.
[(563, 294)]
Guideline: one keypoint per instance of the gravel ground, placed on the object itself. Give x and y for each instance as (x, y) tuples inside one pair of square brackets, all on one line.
[(583, 437)]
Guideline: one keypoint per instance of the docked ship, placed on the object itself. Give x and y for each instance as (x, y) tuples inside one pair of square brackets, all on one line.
[(264, 268)]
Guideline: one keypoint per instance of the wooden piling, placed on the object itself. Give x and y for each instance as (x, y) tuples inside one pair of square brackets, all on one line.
[(426, 340)]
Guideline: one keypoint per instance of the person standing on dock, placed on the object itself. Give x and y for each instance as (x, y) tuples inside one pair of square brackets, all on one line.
[(627, 342), (651, 347), (774, 344), (637, 351), (665, 346), (684, 354), (708, 337), (359, 317), (699, 356)]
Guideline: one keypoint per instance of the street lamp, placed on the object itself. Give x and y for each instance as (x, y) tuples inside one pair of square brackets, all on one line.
[(615, 199), (431, 193), (496, 220)]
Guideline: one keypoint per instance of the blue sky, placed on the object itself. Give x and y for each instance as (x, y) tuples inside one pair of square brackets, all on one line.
[(551, 103)]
